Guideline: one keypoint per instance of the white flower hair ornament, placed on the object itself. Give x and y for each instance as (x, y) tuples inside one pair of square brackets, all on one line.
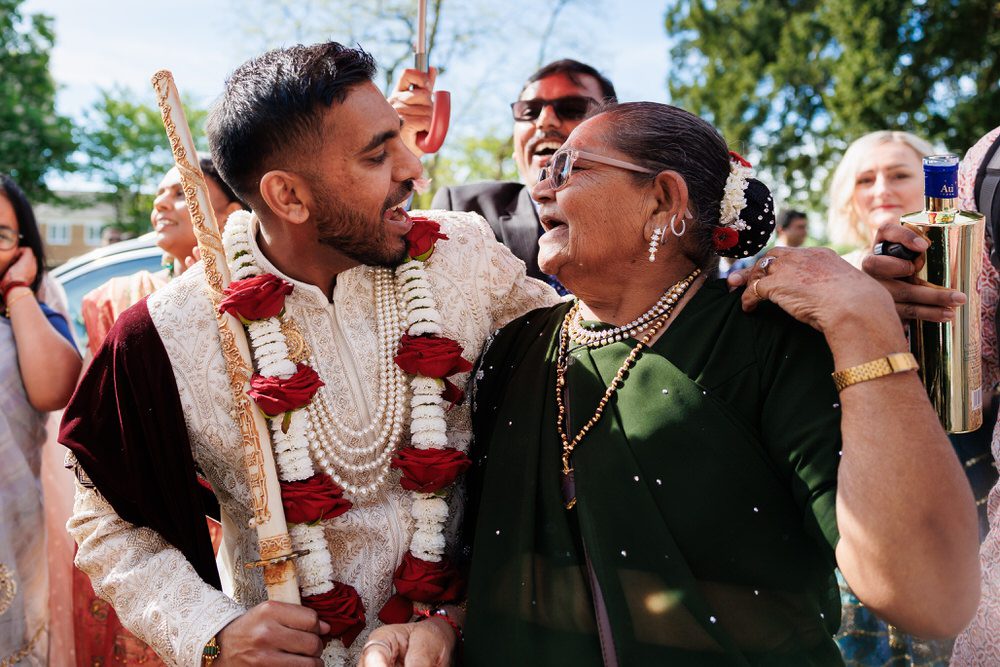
[(746, 212)]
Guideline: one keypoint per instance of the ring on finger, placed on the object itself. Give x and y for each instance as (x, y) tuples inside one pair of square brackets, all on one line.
[(765, 263), (753, 290), (376, 642)]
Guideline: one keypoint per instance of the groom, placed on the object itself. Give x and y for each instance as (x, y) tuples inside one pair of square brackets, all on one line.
[(303, 136)]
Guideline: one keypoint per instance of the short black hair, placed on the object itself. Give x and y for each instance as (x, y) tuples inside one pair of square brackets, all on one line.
[(574, 69), (788, 216), (208, 168), (273, 105), (27, 226)]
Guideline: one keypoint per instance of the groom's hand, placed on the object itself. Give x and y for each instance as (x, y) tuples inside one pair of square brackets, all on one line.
[(273, 633)]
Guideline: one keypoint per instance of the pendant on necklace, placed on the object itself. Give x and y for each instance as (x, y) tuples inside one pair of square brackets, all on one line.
[(569, 490)]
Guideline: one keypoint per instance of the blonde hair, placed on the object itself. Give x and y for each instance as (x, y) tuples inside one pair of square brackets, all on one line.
[(843, 223)]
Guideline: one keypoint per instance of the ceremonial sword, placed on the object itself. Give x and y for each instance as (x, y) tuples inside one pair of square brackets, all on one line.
[(275, 545)]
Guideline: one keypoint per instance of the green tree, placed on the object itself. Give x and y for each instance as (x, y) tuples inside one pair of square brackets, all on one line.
[(489, 157), (124, 147), (34, 139), (795, 81)]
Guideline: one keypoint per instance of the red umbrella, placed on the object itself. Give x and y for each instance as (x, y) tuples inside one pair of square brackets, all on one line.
[(431, 141)]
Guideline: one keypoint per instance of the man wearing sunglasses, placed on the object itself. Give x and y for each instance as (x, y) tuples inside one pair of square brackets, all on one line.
[(552, 102)]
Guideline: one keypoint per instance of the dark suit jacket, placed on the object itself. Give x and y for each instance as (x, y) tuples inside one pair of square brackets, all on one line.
[(508, 209)]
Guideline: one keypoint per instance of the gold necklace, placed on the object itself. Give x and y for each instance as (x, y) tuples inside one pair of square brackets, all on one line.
[(561, 366)]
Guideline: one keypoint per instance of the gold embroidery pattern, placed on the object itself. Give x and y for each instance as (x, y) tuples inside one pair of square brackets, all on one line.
[(216, 274), (275, 546), (8, 588), (298, 348)]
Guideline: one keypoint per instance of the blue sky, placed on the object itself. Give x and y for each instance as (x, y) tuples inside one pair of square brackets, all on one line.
[(101, 43)]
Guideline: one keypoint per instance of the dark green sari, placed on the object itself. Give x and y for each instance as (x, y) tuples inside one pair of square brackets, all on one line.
[(706, 496)]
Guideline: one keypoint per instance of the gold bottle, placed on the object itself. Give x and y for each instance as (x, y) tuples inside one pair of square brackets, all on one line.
[(949, 353)]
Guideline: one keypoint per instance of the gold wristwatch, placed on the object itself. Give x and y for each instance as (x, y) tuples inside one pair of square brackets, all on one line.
[(900, 362)]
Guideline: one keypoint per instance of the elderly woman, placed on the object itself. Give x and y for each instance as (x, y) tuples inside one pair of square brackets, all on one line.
[(661, 476)]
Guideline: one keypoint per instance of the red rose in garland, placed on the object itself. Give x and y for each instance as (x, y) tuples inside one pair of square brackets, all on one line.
[(256, 298), (275, 396), (724, 238), (342, 608), (452, 394), (314, 499), (418, 580), (421, 238), (429, 470), (431, 356)]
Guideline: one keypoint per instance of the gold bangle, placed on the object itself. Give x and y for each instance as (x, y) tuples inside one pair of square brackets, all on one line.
[(16, 298), (212, 651), (900, 362)]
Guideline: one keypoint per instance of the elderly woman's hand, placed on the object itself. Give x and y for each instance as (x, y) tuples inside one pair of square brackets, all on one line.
[(815, 286), (915, 299)]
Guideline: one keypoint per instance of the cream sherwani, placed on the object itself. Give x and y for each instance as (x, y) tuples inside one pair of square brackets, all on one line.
[(479, 286)]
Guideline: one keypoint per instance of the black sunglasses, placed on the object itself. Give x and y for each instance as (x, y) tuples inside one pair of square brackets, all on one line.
[(571, 107)]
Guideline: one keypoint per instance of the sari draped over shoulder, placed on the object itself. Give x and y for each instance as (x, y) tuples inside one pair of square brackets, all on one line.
[(23, 575), (705, 496)]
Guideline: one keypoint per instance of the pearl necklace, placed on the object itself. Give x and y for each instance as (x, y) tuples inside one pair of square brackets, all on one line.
[(330, 452), (581, 335)]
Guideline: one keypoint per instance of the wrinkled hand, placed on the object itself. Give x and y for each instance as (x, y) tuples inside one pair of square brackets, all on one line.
[(429, 643), (412, 101), (24, 268), (915, 299), (813, 285), (273, 633)]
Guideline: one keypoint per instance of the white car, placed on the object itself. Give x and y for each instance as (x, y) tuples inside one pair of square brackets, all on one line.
[(82, 274)]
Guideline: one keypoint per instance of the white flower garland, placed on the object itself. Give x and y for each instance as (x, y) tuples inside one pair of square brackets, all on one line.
[(734, 198), (428, 428)]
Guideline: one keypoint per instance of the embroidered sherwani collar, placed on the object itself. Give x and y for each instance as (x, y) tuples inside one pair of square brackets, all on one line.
[(305, 293)]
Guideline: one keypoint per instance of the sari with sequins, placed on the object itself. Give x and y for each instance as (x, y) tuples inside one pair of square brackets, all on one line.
[(705, 524)]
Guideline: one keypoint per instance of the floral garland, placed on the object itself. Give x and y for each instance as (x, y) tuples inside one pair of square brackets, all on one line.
[(734, 200), (429, 466)]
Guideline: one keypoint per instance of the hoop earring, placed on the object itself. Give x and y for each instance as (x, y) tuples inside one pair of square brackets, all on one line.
[(684, 225), (654, 243)]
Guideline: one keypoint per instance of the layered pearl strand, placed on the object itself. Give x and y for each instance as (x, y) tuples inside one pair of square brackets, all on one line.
[(333, 455), (312, 435), (581, 335)]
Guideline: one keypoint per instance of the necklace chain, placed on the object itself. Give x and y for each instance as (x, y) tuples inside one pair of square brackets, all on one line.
[(578, 333), (562, 365)]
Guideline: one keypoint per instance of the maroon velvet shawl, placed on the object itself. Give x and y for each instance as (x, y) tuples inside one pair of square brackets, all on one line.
[(126, 427)]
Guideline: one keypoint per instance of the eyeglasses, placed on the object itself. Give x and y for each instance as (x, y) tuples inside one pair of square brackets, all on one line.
[(571, 107), (560, 167), (9, 238)]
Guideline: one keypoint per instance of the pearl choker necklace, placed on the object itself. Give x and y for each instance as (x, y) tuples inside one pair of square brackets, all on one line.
[(581, 335)]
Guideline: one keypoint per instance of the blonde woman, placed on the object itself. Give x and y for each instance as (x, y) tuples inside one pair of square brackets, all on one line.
[(879, 179)]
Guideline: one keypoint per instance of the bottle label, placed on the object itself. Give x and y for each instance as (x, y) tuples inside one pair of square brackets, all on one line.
[(941, 176)]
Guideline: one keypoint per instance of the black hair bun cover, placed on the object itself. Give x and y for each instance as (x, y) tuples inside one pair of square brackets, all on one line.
[(758, 215)]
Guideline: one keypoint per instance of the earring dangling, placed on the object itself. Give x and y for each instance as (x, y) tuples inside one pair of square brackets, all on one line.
[(654, 243), (684, 225)]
